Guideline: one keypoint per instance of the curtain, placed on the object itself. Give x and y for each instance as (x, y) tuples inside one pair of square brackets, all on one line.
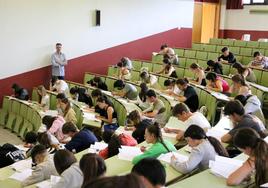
[(234, 4)]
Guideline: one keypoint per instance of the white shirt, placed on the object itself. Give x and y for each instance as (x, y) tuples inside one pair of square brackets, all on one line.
[(198, 119), (62, 87), (45, 101)]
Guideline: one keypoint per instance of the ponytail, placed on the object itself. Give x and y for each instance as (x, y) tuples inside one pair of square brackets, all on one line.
[(156, 130), (249, 138), (261, 162), (196, 132), (218, 147)]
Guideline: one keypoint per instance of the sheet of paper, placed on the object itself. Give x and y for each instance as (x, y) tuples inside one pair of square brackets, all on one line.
[(264, 185), (223, 166), (224, 124), (90, 116), (128, 152), (22, 165), (174, 123), (21, 147), (167, 157), (21, 176), (216, 133), (48, 183), (266, 139), (168, 135), (98, 146), (121, 130)]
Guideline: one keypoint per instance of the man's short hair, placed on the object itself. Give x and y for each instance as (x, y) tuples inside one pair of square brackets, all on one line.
[(234, 107), (152, 170), (68, 127), (179, 109), (151, 93), (224, 49), (256, 54), (58, 44)]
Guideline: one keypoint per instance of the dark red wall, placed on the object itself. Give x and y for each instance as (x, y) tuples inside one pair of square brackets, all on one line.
[(98, 62), (237, 34)]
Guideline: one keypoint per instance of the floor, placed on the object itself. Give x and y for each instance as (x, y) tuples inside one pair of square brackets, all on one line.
[(7, 136)]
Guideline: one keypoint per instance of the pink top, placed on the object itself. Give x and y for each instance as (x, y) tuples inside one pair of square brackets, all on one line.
[(125, 139), (225, 85), (56, 127)]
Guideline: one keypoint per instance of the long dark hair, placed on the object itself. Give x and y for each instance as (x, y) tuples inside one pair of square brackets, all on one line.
[(63, 159), (248, 137), (156, 131), (238, 78), (113, 141), (143, 92), (48, 121), (68, 105), (92, 166), (239, 67), (135, 117), (197, 133)]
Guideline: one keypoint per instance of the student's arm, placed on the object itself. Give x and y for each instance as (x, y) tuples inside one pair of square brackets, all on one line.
[(53, 61), (151, 114), (218, 87), (182, 98), (170, 130), (161, 71), (148, 153), (64, 62), (193, 161), (119, 93), (245, 73), (241, 173), (226, 138), (37, 176), (109, 120)]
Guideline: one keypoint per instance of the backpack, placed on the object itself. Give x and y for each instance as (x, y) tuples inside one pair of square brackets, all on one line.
[(9, 154)]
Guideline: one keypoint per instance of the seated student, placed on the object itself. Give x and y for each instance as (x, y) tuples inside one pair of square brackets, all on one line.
[(49, 141), (44, 97), (227, 56), (98, 83), (80, 94), (20, 93), (43, 166), (249, 141), (127, 62), (239, 86), (142, 99), (108, 114), (199, 73), (204, 149), (124, 72), (92, 166), (9, 154), (80, 139), (214, 66), (236, 112), (115, 142), (252, 105), (189, 97), (138, 125), (125, 90), (54, 126), (172, 88), (68, 169), (183, 113), (129, 181), (157, 110), (68, 112), (59, 86), (260, 61), (153, 135), (246, 72), (151, 171), (59, 97), (169, 53), (216, 83), (30, 140), (149, 79), (168, 69)]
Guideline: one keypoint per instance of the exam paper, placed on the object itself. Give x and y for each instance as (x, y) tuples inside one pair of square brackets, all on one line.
[(223, 166), (128, 152), (167, 157), (21, 176), (22, 165)]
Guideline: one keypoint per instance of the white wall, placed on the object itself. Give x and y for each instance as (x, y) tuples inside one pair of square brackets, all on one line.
[(242, 19), (30, 28)]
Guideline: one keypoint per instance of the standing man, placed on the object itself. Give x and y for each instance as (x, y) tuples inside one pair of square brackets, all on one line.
[(58, 61)]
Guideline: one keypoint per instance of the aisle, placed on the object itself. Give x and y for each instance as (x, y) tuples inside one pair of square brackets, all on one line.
[(7, 137)]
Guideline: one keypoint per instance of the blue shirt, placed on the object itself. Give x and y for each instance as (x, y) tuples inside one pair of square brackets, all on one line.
[(58, 61), (81, 141)]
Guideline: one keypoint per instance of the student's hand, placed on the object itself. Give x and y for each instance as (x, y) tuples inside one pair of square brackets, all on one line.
[(142, 148), (27, 145), (173, 158), (167, 130), (221, 59), (179, 135)]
